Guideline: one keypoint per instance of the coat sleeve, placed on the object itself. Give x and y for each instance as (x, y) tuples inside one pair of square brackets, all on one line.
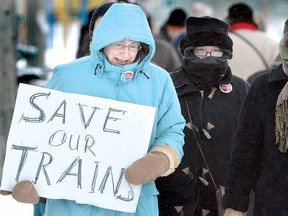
[(244, 159), (170, 125)]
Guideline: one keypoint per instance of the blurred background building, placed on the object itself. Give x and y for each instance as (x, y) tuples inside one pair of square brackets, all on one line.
[(52, 26), (272, 13)]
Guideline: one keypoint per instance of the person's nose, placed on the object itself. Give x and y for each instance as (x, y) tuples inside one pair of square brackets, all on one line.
[(125, 51), (208, 53)]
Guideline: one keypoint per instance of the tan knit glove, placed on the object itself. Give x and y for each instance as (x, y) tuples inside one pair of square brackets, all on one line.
[(25, 192), (231, 212), (147, 168)]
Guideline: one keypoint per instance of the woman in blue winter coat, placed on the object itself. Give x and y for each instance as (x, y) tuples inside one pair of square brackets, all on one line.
[(119, 68)]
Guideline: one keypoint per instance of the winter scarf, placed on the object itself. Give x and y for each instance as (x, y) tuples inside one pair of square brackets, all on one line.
[(208, 72), (281, 114)]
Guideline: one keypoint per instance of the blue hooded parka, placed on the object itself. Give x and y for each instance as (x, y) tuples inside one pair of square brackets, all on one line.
[(150, 85)]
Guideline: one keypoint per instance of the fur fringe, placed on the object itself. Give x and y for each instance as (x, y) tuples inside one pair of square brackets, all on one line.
[(281, 129)]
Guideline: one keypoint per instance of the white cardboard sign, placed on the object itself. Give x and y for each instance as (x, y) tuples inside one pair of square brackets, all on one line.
[(76, 146)]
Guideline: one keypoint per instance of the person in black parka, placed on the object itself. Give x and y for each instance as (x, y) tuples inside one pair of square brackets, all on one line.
[(259, 158), (214, 97)]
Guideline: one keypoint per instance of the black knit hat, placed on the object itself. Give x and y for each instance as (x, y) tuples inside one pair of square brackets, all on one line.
[(177, 17), (98, 12), (240, 12), (207, 31)]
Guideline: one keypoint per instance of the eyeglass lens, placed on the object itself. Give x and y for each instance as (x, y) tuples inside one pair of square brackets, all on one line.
[(131, 47)]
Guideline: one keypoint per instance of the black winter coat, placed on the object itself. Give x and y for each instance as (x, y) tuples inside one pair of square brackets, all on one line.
[(218, 115), (256, 160)]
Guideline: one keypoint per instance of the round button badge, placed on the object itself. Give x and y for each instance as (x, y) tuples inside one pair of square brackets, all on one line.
[(226, 88), (127, 75)]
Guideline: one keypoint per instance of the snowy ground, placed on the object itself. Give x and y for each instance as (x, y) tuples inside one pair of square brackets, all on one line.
[(10, 207)]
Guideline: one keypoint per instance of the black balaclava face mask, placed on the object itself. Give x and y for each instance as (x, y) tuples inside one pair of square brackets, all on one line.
[(208, 72)]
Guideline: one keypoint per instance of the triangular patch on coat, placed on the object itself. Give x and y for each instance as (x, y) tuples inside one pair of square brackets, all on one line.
[(210, 125), (205, 212), (178, 208), (204, 171), (188, 125), (186, 170)]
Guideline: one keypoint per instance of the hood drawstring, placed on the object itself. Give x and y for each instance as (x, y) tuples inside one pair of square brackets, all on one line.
[(97, 66), (142, 72)]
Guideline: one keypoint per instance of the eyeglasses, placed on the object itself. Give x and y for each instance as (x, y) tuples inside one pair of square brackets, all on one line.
[(202, 53), (121, 46)]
